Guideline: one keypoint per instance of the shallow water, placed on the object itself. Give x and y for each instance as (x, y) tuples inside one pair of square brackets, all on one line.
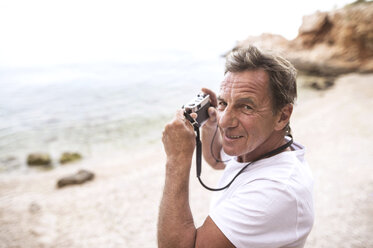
[(97, 107)]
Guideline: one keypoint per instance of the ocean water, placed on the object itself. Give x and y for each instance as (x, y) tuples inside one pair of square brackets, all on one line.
[(96, 108)]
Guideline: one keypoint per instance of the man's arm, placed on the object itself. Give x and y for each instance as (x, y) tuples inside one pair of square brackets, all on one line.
[(175, 223), (211, 139)]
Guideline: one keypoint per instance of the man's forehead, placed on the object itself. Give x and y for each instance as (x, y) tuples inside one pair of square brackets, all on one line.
[(248, 78)]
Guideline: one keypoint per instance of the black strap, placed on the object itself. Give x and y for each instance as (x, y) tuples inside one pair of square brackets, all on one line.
[(199, 155)]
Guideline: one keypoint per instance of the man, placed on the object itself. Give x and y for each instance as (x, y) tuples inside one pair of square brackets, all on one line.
[(270, 203)]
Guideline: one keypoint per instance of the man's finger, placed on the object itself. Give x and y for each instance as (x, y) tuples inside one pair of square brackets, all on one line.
[(194, 115), (213, 100), (180, 114), (212, 113)]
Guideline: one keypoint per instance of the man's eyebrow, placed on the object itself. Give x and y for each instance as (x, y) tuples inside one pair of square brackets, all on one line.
[(246, 100), (219, 98)]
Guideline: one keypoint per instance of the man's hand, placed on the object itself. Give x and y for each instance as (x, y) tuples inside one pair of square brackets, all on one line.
[(179, 139)]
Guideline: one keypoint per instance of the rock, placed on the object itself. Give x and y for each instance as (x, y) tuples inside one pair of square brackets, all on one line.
[(317, 83), (314, 23), (328, 43), (68, 157), (80, 177), (39, 159), (314, 28)]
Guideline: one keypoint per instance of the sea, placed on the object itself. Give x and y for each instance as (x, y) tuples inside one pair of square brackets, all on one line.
[(97, 108)]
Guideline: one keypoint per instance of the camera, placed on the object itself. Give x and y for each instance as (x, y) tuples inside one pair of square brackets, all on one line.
[(199, 105)]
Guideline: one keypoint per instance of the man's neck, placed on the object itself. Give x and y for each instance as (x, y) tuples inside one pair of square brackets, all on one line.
[(272, 143)]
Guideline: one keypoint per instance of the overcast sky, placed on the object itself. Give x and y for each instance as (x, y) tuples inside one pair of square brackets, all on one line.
[(44, 32)]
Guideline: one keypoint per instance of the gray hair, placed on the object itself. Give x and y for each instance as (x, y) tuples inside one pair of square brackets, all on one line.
[(282, 74)]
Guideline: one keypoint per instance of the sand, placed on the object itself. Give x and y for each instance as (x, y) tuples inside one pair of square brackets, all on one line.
[(119, 207)]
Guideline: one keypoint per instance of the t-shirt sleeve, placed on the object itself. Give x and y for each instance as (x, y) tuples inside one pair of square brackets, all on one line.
[(262, 213)]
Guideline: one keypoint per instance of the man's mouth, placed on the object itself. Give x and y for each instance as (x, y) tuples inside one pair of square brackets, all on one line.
[(233, 137)]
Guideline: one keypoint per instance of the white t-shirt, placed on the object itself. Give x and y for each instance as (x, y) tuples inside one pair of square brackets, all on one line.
[(269, 205)]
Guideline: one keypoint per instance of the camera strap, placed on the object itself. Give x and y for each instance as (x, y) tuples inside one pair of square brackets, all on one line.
[(199, 154)]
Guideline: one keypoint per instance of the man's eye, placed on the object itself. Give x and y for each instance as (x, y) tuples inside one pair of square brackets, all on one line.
[(247, 109), (222, 105)]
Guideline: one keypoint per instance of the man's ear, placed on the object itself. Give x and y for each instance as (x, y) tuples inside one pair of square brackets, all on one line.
[(284, 117)]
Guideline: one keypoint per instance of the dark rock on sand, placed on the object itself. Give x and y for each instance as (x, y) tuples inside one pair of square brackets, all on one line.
[(80, 177), (68, 157), (39, 159), (317, 83)]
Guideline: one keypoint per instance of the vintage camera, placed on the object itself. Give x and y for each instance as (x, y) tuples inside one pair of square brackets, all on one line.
[(199, 105)]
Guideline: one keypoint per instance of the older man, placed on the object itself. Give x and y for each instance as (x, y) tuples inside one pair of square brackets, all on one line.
[(269, 201)]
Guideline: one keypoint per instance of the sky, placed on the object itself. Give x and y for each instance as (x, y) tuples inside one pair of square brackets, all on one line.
[(51, 32)]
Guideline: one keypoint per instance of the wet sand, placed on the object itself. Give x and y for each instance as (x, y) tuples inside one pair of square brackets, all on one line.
[(119, 207)]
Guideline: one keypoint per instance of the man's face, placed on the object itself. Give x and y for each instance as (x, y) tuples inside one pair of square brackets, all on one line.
[(245, 115)]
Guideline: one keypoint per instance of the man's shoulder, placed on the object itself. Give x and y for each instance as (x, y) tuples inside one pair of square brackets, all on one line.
[(284, 175), (281, 167)]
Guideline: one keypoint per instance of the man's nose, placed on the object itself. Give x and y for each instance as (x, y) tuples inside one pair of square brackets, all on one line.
[(227, 118)]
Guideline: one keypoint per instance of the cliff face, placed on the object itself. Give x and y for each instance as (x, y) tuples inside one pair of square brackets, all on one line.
[(328, 43)]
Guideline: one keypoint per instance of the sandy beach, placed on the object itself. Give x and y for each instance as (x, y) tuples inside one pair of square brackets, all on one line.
[(119, 207)]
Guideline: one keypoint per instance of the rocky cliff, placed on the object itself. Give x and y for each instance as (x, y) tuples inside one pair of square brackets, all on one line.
[(328, 43)]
